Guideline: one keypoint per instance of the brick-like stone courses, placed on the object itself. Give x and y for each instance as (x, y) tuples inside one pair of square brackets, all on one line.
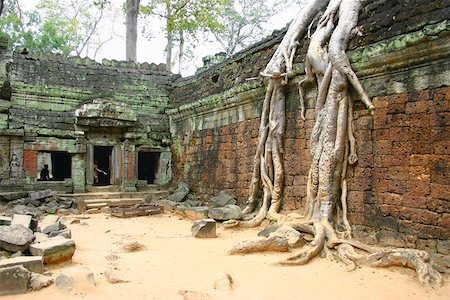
[(399, 184), (401, 180)]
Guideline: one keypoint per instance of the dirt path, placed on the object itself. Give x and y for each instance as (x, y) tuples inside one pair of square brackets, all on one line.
[(173, 261)]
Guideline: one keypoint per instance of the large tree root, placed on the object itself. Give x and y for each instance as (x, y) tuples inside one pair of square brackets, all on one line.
[(273, 243)]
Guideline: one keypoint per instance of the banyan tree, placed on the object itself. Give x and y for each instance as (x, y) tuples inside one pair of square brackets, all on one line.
[(332, 144)]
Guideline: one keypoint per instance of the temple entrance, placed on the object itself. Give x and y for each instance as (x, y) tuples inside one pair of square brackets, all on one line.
[(148, 166), (102, 161), (62, 165)]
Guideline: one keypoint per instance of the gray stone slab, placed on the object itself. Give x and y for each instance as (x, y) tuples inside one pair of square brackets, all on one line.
[(227, 212), (221, 200), (49, 223), (15, 238), (14, 280), (54, 250), (204, 229), (66, 233), (24, 220), (197, 213), (41, 194), (4, 220), (32, 263)]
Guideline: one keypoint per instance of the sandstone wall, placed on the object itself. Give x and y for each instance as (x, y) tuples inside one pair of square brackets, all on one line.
[(399, 188), (38, 99)]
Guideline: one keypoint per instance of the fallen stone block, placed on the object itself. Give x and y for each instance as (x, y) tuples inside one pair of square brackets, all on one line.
[(11, 196), (197, 213), (54, 250), (24, 220), (31, 263), (25, 210), (4, 220), (294, 238), (227, 212), (14, 280), (221, 200), (75, 279), (66, 233), (40, 195), (38, 282), (269, 229), (204, 229), (180, 194), (49, 223), (15, 238), (168, 205), (40, 237)]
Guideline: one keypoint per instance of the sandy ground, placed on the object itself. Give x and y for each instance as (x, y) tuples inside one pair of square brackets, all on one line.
[(173, 261)]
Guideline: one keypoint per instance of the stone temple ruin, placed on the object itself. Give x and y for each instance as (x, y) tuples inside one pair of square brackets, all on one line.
[(144, 126)]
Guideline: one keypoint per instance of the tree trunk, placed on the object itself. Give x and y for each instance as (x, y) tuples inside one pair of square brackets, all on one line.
[(131, 29), (181, 53), (169, 38)]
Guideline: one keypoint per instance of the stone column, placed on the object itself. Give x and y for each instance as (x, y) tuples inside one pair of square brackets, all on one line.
[(78, 173)]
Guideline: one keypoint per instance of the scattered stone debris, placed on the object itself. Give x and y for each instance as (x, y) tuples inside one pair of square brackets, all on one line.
[(223, 281), (14, 280), (31, 263), (29, 226), (74, 279), (228, 212), (194, 295), (54, 250), (38, 282), (15, 238), (180, 194), (204, 229), (222, 200), (112, 276)]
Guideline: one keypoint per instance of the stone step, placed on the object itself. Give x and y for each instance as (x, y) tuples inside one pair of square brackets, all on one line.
[(99, 203), (113, 195)]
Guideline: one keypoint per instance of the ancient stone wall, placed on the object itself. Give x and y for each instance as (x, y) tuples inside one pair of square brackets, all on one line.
[(39, 98), (398, 190)]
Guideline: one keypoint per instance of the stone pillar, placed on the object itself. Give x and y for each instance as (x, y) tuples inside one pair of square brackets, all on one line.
[(89, 164), (78, 173), (164, 172), (129, 167)]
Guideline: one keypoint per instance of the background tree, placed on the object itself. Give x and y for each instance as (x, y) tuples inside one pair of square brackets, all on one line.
[(57, 26), (132, 13), (182, 18)]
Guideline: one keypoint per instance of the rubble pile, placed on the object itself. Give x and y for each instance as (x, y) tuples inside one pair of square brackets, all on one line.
[(31, 235)]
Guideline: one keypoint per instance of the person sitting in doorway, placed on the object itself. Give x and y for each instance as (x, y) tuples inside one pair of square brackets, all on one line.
[(45, 173), (96, 172)]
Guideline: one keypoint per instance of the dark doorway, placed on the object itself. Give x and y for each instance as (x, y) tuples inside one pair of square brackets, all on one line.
[(147, 166), (61, 165), (102, 165)]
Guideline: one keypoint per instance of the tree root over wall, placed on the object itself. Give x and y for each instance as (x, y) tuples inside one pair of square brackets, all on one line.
[(332, 146)]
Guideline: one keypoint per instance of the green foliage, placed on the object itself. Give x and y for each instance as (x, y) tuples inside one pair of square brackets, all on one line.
[(56, 26), (188, 16), (29, 29)]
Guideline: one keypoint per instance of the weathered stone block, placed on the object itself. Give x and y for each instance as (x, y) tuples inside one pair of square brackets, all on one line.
[(227, 212), (168, 205), (5, 220), (49, 223), (40, 195), (32, 263), (54, 250), (15, 238), (180, 193), (204, 229), (14, 280), (222, 199), (197, 213), (24, 220)]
